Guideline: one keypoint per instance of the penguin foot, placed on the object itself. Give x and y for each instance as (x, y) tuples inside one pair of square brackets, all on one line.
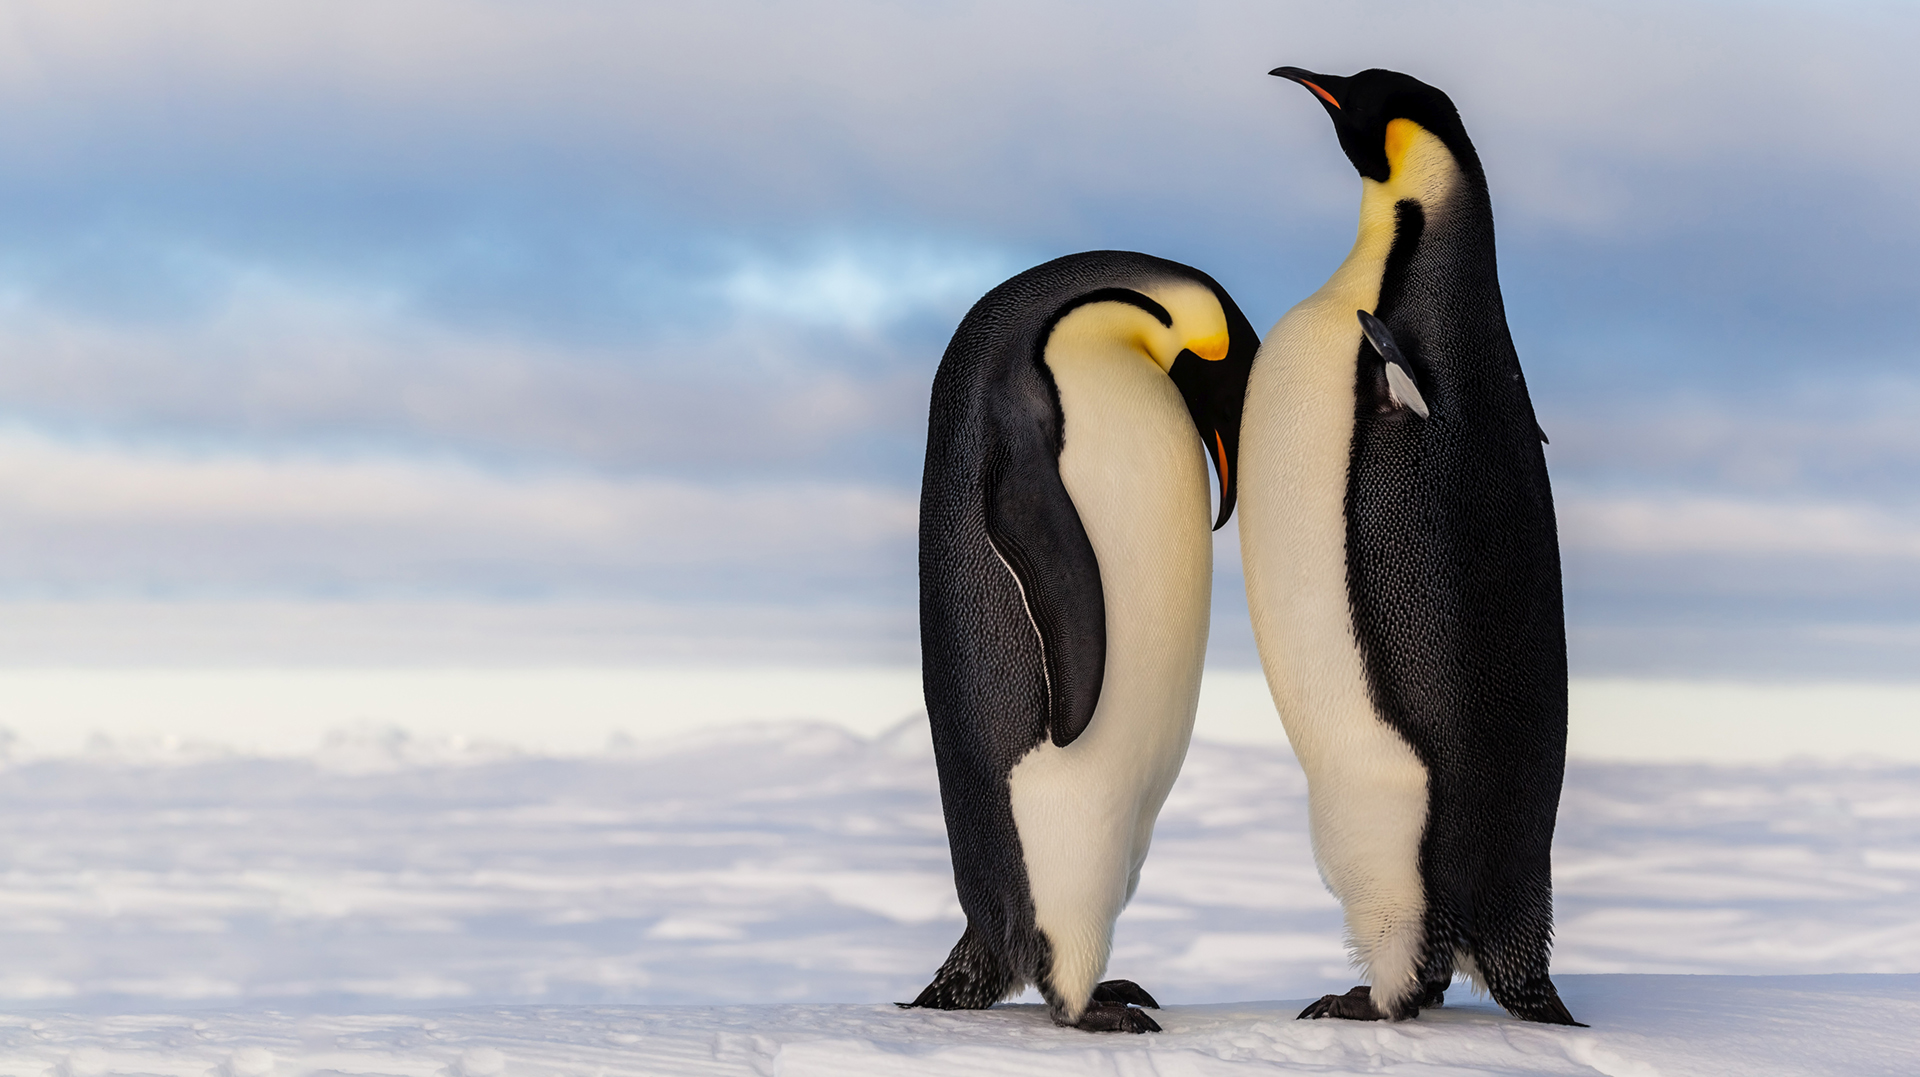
[(1355, 1005), (1116, 1017), (1123, 991), (1432, 995)]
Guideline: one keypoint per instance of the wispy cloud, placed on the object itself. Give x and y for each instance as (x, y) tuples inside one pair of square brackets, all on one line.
[(286, 365), (88, 519), (862, 290), (575, 297), (1721, 525), (798, 98)]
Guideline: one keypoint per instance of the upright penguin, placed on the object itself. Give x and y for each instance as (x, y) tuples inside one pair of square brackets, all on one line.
[(1404, 575), (1065, 578)]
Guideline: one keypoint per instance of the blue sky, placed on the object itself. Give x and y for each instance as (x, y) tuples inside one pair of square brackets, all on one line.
[(609, 326)]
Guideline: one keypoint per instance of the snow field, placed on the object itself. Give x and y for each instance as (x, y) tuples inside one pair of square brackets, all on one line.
[(748, 900), (1643, 1026)]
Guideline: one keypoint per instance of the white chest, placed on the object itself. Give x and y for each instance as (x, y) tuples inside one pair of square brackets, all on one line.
[(1367, 790), (1296, 439), (1133, 465)]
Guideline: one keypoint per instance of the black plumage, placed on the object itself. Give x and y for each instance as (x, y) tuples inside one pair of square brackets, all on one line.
[(1002, 671), (1453, 566)]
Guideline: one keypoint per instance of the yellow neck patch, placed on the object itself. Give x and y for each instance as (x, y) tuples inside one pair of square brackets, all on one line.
[(1423, 170), (1400, 136), (1213, 348), (1199, 325)]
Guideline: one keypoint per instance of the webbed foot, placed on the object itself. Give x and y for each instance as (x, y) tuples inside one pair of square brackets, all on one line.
[(1124, 991), (1355, 1005), (1116, 1017)]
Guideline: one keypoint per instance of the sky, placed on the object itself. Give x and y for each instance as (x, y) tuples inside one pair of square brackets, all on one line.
[(581, 331)]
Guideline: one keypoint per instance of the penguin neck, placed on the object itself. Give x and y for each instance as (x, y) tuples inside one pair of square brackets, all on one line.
[(1425, 172)]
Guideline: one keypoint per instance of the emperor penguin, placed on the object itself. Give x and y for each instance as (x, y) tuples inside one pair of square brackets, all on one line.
[(1066, 562), (1403, 574)]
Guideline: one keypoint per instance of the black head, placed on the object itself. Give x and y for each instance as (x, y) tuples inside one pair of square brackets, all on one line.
[(1362, 105)]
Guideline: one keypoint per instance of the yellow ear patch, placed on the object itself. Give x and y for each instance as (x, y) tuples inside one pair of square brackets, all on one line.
[(1401, 135), (1212, 348), (1421, 168), (1199, 324)]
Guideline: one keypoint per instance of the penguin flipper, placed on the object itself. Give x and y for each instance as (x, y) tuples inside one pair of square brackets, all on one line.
[(1401, 387), (1551, 1012), (1038, 534), (1537, 1000)]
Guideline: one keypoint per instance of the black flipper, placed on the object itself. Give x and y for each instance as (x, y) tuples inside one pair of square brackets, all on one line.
[(1036, 531), (1123, 991), (1400, 384)]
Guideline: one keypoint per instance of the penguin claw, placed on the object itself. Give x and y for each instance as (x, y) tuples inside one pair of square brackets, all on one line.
[(1355, 1005), (1115, 1017), (1124, 991)]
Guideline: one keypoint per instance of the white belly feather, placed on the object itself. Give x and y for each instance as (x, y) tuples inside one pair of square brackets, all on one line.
[(1367, 791), (1133, 465)]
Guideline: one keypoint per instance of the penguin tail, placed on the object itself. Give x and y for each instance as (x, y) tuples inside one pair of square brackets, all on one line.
[(973, 977), (1537, 1001)]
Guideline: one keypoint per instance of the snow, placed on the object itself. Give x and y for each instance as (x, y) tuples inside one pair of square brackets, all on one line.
[(1643, 1026), (750, 900)]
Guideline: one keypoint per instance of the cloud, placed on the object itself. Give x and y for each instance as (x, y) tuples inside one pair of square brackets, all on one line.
[(102, 519), (952, 104), (1721, 525), (547, 167), (860, 291), (584, 297), (288, 365), (1819, 437), (439, 631)]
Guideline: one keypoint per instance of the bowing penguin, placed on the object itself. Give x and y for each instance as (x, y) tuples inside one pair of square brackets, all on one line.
[(1065, 578)]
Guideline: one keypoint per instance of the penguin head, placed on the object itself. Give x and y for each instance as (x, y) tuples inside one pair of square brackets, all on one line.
[(1192, 330), (1380, 116), (1195, 322)]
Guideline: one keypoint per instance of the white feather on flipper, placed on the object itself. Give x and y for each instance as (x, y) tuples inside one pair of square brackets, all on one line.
[(1404, 392), (1401, 388)]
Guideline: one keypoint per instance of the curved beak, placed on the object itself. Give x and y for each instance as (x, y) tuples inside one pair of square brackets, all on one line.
[(1360, 135), (1327, 88), (1214, 391)]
